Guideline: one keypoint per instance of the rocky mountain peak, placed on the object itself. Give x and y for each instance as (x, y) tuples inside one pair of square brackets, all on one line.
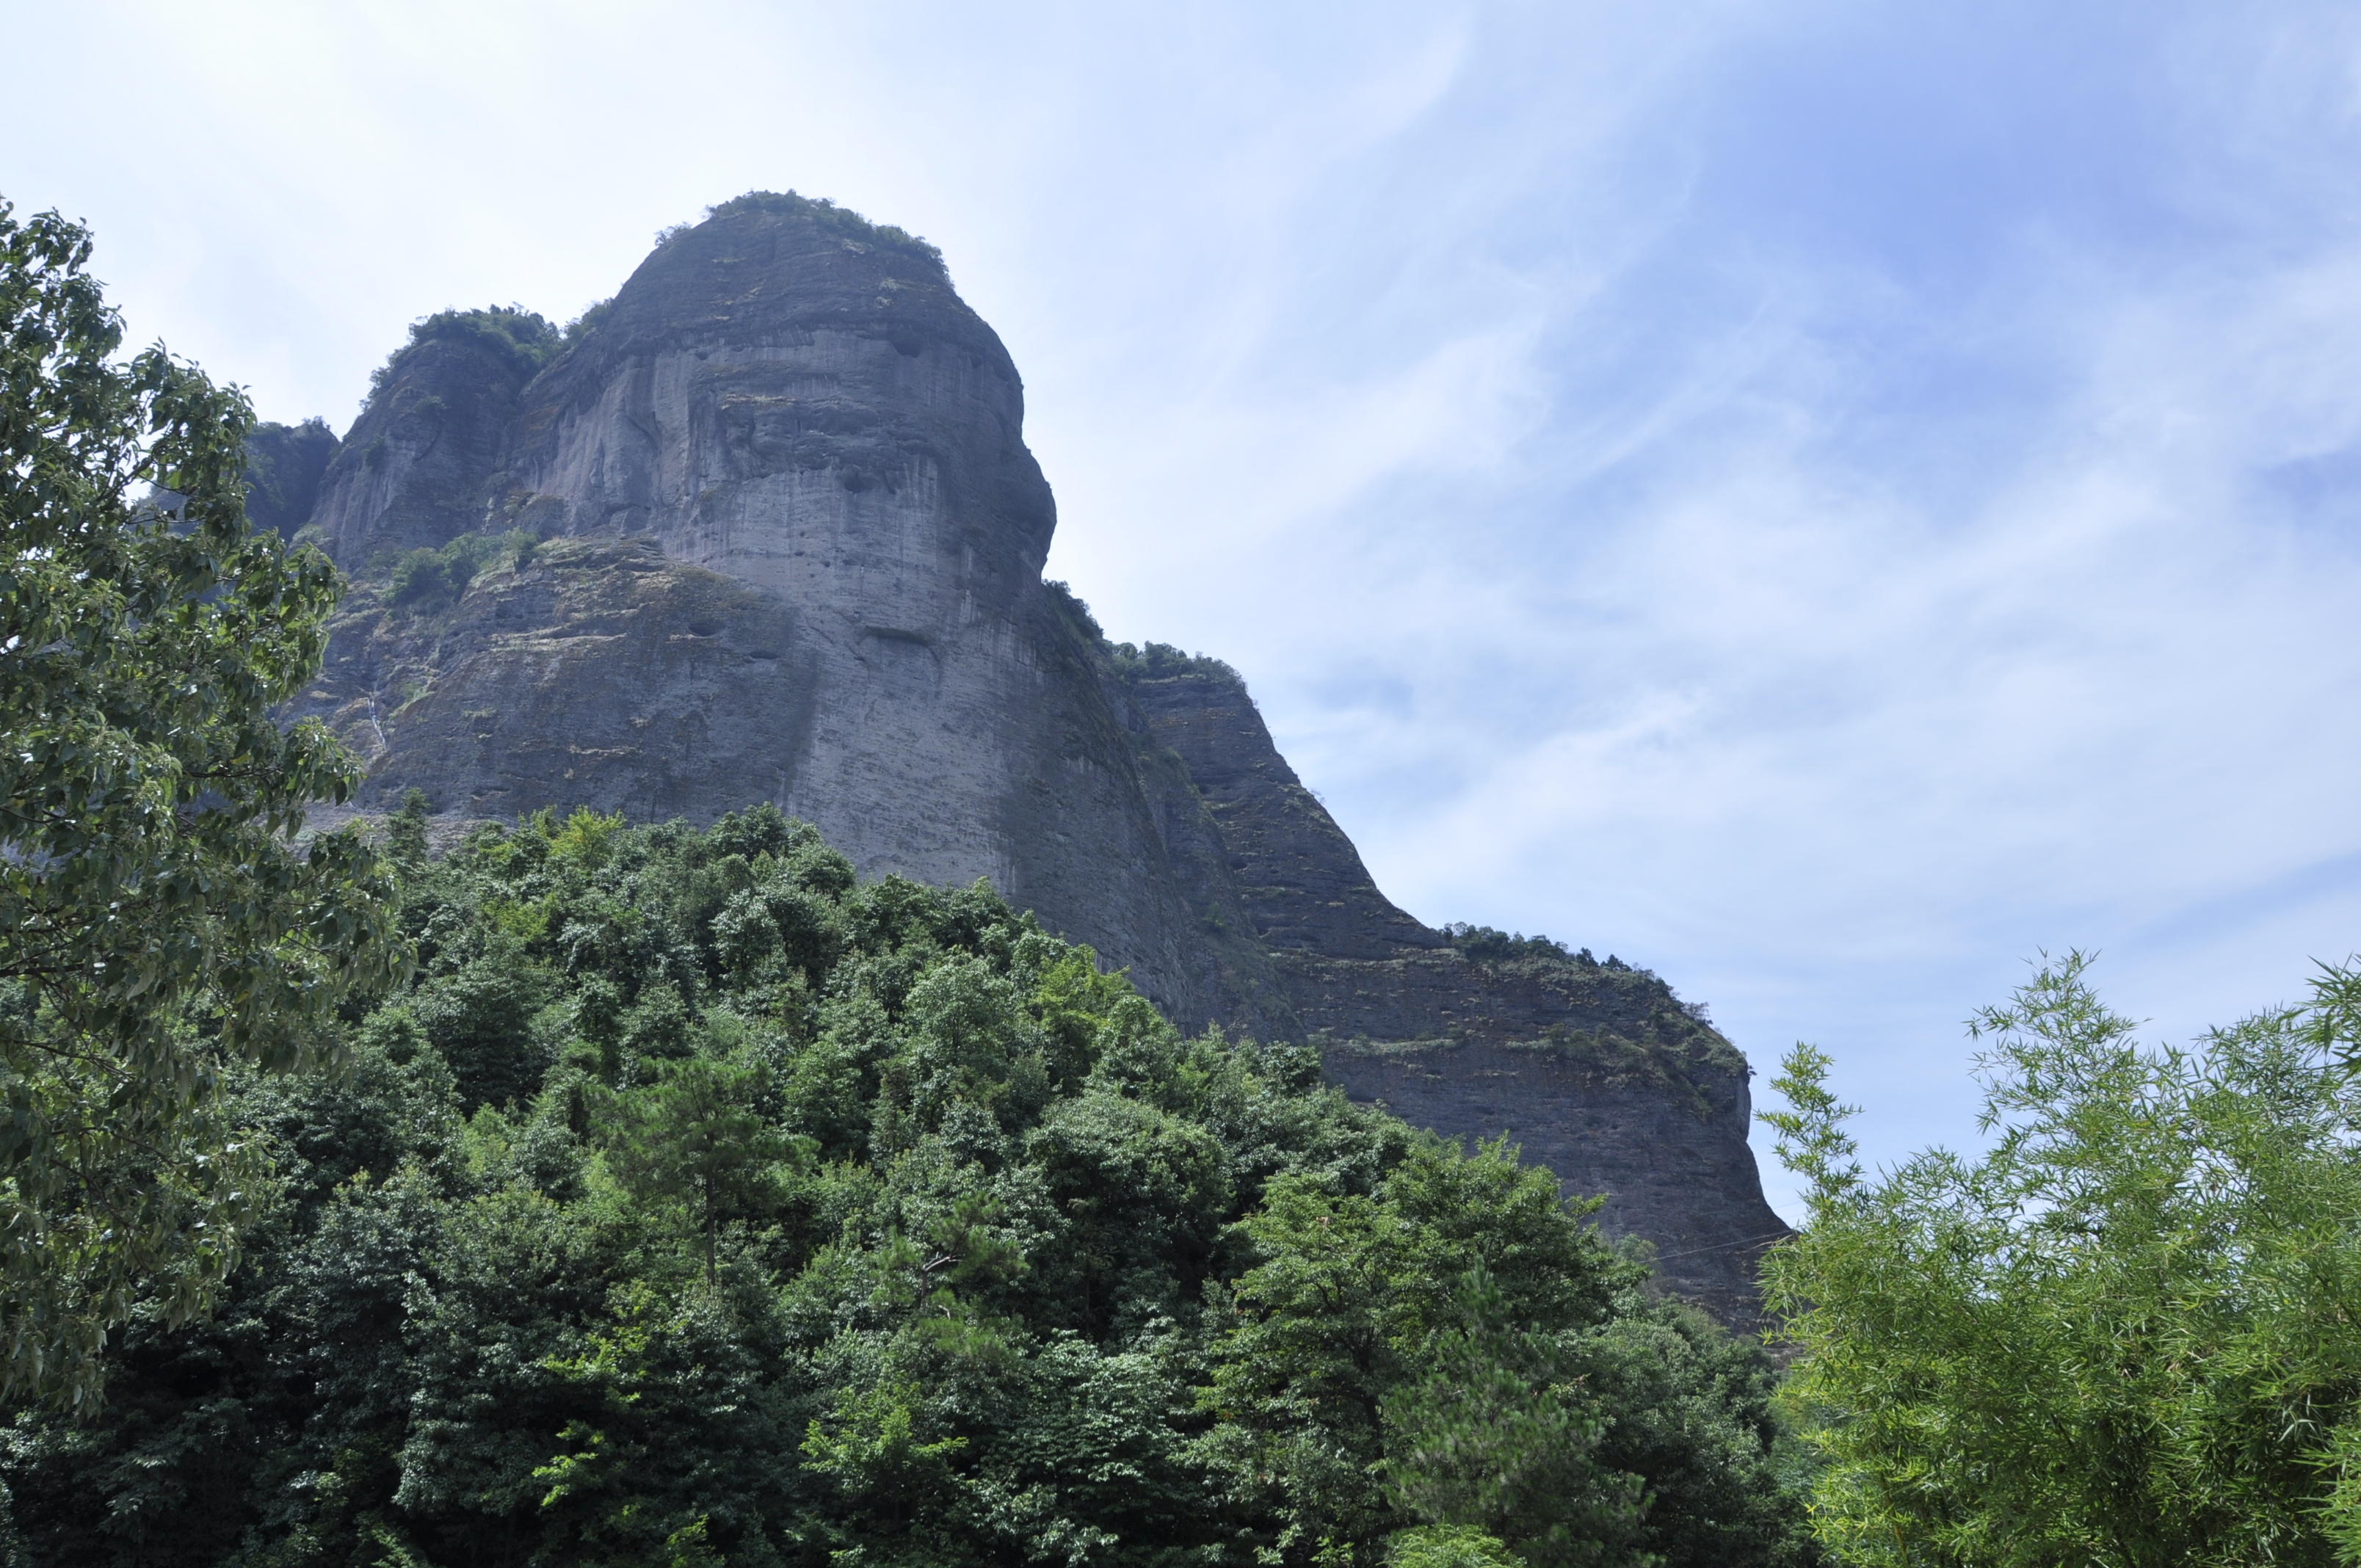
[(764, 527)]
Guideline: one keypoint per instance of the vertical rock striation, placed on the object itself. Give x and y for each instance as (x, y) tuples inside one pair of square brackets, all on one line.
[(764, 527)]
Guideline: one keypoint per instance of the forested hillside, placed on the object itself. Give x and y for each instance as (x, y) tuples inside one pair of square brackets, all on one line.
[(695, 1202), (764, 526)]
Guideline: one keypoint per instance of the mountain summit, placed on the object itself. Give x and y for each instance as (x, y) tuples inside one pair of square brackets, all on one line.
[(764, 527)]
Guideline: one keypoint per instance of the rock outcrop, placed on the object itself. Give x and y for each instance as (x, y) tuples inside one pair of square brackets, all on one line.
[(764, 527), (285, 463), (1595, 1067)]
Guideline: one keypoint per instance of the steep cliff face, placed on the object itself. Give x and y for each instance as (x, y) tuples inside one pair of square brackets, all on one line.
[(764, 527), (413, 471), (819, 581), (1595, 1069), (285, 463), (1669, 1151)]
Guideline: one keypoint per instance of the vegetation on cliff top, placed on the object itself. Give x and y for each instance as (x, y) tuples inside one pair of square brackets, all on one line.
[(842, 222), (434, 578), (1660, 1039), (524, 340), (1162, 661)]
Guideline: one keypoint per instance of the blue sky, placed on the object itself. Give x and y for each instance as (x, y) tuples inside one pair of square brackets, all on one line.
[(1823, 500)]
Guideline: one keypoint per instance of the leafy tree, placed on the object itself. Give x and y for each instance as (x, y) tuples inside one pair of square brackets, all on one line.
[(1447, 1546), (1463, 1335), (480, 1016), (405, 830), (694, 1137), (2123, 1334), (1691, 1409), (869, 1445), (159, 922), (1349, 1309), (431, 577), (1499, 1433)]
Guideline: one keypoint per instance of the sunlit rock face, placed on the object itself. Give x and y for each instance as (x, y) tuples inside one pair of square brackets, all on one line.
[(833, 599), (785, 543), (411, 470), (818, 416)]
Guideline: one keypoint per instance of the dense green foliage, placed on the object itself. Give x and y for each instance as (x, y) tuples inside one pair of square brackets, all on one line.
[(431, 578), (2125, 1334), (695, 1202), (157, 924)]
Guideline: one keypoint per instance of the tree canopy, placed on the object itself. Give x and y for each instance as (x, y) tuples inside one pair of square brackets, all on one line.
[(158, 923), (696, 1201), (2124, 1333)]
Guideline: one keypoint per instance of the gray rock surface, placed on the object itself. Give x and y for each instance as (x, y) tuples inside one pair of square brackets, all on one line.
[(1596, 1070), (766, 529), (285, 463)]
